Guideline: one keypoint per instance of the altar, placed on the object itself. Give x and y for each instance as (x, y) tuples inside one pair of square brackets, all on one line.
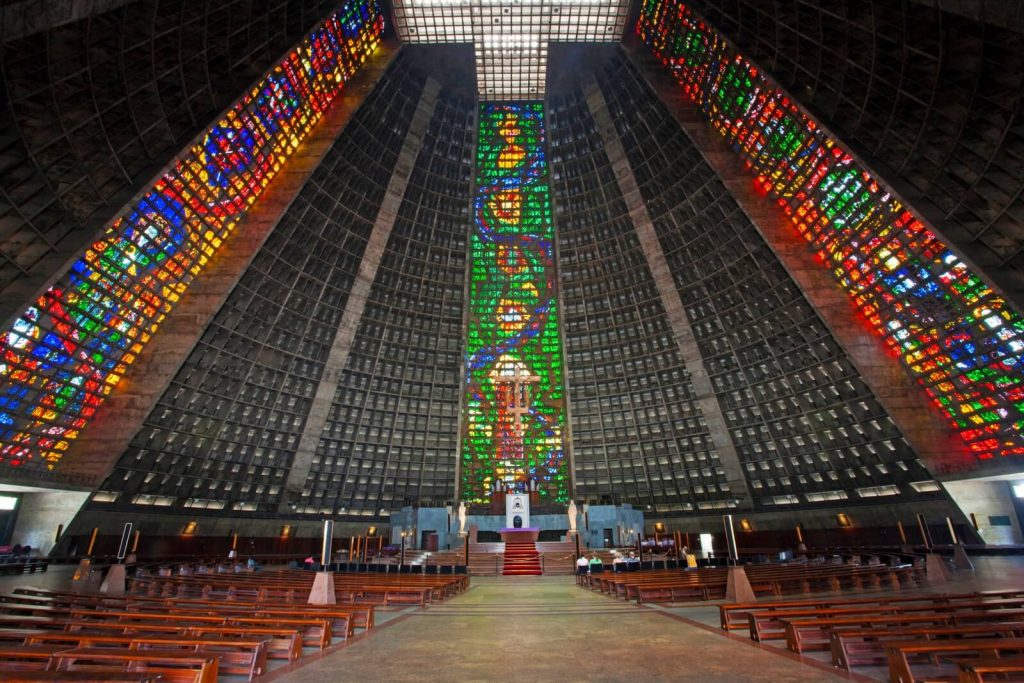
[(599, 526), (528, 535)]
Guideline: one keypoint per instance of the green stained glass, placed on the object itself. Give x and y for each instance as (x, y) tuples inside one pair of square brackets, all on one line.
[(514, 409)]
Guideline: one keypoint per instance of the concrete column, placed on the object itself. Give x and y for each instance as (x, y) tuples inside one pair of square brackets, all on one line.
[(670, 299), (41, 512), (989, 501), (356, 303), (903, 399), (91, 457)]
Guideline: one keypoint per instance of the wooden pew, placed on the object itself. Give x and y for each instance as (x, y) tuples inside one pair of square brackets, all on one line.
[(282, 643), (734, 616), (292, 586), (316, 632), (16, 657), (990, 668), (898, 654), (340, 619), (174, 666), (237, 656), (14, 621), (400, 591), (707, 584), (815, 634), (362, 616), (97, 675), (799, 624), (857, 647), (10, 636)]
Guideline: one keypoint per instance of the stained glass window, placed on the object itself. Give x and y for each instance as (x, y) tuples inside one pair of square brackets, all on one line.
[(514, 401), (953, 333), (65, 354)]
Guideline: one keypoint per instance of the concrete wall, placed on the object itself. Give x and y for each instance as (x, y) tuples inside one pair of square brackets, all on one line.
[(987, 499), (39, 514)]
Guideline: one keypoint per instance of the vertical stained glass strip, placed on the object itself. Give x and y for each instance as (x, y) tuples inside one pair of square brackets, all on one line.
[(957, 337), (66, 353), (514, 401)]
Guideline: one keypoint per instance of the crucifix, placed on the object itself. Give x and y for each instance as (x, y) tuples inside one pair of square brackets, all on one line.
[(510, 37), (512, 379)]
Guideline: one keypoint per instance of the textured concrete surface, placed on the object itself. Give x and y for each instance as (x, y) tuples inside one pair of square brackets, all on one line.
[(985, 500), (903, 399), (547, 629), (360, 292), (40, 512), (710, 408), (94, 454)]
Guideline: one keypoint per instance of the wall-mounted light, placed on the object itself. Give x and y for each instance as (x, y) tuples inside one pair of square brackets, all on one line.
[(659, 527), (372, 531), (190, 528), (745, 525), (844, 521), (286, 531)]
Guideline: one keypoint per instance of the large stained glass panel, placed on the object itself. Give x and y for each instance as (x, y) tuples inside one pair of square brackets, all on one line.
[(514, 402), (65, 354), (953, 333)]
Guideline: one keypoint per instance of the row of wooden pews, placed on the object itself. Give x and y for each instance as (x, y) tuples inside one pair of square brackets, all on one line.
[(294, 586), (933, 637), (193, 629), (675, 585)]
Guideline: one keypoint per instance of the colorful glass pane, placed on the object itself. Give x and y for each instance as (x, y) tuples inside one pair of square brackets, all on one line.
[(514, 402), (956, 336), (65, 354)]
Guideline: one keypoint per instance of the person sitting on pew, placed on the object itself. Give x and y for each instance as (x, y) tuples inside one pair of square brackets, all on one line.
[(596, 565), (618, 563), (582, 565), (632, 562)]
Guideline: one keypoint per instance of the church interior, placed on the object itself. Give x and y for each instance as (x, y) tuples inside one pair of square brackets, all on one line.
[(577, 340)]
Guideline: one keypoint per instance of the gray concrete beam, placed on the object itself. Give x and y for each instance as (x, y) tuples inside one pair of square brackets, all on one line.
[(670, 299), (337, 357), (27, 17), (942, 451), (93, 455)]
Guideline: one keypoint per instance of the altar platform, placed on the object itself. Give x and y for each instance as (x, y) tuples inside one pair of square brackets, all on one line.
[(528, 535)]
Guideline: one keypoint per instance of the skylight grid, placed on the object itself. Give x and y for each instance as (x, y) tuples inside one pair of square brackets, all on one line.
[(510, 37)]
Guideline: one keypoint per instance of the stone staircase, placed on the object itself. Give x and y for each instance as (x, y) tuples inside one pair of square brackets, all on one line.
[(521, 559)]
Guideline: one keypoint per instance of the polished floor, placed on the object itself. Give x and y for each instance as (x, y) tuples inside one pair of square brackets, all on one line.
[(548, 629)]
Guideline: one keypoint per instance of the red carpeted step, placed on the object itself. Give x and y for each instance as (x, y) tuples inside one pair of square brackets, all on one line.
[(521, 559)]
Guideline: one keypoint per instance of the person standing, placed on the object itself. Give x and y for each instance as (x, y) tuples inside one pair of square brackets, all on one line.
[(582, 567)]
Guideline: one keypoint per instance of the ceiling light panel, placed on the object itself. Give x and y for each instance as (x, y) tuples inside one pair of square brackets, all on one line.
[(510, 37)]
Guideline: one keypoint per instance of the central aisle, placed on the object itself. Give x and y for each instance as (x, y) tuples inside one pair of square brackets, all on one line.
[(547, 629)]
